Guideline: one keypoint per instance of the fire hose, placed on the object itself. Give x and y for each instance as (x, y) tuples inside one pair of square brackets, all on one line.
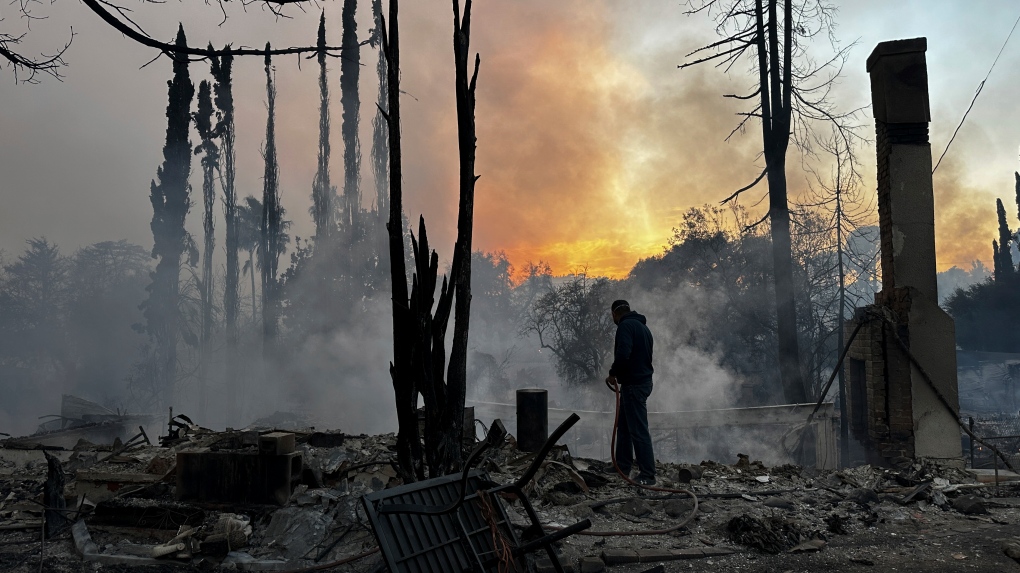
[(694, 510), (612, 533)]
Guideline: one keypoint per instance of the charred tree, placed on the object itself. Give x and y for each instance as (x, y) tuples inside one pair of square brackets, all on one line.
[(405, 394), (322, 191), (350, 101), (420, 324), (221, 67), (270, 245), (775, 40), (170, 198), (428, 350), (453, 418)]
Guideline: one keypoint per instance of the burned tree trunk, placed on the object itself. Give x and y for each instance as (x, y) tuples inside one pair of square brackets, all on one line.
[(404, 391), (775, 92), (419, 333), (170, 199), (54, 516), (453, 418), (428, 356)]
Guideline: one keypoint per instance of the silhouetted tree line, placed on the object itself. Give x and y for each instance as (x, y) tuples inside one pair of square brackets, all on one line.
[(987, 313), (66, 321)]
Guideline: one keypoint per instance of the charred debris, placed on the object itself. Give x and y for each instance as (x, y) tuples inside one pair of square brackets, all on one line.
[(280, 496)]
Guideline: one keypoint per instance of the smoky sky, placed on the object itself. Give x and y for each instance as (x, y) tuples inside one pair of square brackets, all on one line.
[(591, 143)]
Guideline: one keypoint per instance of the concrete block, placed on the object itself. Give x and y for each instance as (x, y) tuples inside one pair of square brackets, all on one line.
[(276, 443)]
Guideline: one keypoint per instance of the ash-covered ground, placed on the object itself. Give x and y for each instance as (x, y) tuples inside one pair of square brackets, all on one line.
[(750, 518)]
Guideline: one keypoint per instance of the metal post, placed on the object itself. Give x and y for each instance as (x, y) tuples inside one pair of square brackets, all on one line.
[(971, 440), (995, 460), (532, 419)]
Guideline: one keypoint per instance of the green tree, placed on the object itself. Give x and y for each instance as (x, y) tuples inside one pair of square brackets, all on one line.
[(986, 315), (107, 282), (573, 322), (1002, 257), (33, 300)]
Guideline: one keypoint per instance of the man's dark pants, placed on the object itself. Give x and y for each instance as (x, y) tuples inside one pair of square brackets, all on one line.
[(632, 436)]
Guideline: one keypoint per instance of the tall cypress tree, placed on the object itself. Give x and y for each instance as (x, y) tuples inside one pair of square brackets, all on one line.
[(996, 260), (170, 204), (1017, 191), (350, 101), (322, 191), (1003, 258), (221, 67), (270, 244)]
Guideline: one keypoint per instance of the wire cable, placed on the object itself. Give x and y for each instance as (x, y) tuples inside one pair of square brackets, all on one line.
[(977, 92)]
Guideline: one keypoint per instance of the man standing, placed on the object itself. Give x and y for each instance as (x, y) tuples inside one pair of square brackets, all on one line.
[(632, 370)]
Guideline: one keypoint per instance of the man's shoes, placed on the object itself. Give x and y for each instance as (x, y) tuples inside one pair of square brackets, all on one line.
[(645, 481)]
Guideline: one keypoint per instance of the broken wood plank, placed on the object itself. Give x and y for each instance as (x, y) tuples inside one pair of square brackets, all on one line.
[(623, 556)]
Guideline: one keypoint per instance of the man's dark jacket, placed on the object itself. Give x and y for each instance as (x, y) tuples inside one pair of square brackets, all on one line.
[(632, 363)]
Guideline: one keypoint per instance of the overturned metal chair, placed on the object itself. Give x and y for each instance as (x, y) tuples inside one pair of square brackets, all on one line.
[(457, 523)]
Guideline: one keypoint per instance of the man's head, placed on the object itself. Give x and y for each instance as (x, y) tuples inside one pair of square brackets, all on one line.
[(619, 308)]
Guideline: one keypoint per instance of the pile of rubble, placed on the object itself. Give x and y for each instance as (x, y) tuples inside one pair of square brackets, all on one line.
[(239, 500)]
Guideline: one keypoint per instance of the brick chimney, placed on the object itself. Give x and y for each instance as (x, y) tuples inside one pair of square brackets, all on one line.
[(893, 409)]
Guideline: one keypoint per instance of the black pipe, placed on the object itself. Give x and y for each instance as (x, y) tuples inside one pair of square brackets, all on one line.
[(532, 419)]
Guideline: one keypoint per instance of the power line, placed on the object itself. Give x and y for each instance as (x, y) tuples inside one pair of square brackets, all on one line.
[(976, 94)]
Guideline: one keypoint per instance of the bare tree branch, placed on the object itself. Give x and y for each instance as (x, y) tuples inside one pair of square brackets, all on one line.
[(746, 187)]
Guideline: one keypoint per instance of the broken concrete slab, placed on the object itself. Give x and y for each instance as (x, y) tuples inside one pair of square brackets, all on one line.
[(986, 475), (99, 485)]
